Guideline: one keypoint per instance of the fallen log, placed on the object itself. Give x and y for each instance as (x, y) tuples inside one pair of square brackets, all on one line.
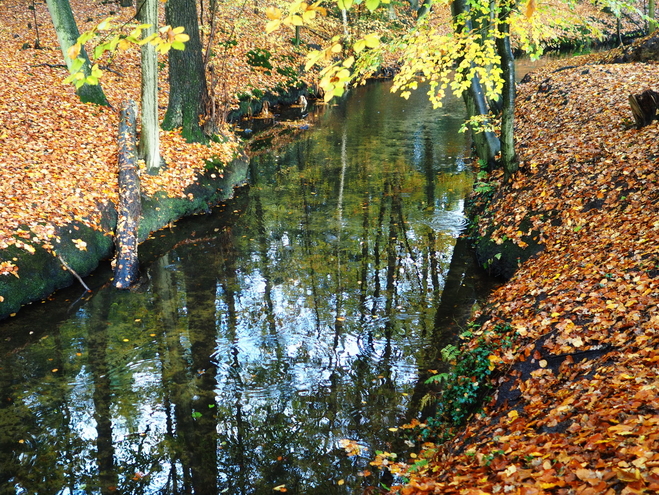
[(126, 268), (645, 107)]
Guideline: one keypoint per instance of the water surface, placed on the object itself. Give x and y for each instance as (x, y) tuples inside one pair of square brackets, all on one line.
[(299, 314)]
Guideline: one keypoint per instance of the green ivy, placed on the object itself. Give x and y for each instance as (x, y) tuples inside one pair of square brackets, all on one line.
[(468, 383)]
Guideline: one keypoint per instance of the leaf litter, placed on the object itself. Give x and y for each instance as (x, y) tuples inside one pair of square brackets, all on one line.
[(577, 407)]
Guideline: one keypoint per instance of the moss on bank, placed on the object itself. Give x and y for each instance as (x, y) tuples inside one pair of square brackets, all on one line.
[(41, 273)]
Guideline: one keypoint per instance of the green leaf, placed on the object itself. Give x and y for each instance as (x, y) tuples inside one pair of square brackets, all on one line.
[(105, 25), (77, 65), (100, 49), (177, 45), (85, 37), (372, 4), (441, 377)]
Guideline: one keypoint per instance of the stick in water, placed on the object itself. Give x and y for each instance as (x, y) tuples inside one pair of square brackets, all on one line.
[(74, 273)]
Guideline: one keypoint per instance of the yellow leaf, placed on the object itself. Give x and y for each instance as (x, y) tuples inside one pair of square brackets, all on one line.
[(372, 40), (336, 48), (359, 46), (272, 26), (74, 51), (628, 475), (280, 488), (80, 244), (530, 8), (273, 13), (308, 15)]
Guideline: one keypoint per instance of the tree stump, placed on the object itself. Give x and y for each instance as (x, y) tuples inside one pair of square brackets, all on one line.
[(645, 107), (126, 269)]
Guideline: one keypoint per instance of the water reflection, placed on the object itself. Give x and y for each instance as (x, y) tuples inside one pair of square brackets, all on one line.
[(300, 315)]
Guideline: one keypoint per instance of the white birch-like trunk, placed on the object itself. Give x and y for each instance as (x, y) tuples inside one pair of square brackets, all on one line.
[(149, 147), (67, 36)]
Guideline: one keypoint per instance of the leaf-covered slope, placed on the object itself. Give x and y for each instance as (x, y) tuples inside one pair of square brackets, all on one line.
[(577, 407), (59, 156)]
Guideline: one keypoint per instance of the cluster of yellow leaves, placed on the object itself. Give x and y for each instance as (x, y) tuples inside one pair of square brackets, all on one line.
[(582, 381), (448, 60), (299, 13)]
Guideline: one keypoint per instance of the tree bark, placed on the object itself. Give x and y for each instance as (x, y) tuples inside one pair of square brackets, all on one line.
[(188, 92), (67, 35), (508, 156), (645, 107), (126, 269), (424, 9), (486, 143), (652, 25), (149, 147)]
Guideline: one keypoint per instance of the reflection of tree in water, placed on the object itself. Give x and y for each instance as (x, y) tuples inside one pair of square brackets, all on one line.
[(253, 349)]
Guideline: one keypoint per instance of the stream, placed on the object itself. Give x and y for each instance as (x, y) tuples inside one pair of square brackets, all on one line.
[(265, 334)]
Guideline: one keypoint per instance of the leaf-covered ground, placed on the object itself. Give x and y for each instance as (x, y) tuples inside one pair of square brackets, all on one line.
[(577, 410), (577, 407), (59, 156)]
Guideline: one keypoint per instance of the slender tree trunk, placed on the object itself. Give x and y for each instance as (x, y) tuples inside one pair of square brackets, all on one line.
[(67, 35), (508, 155), (652, 26), (149, 147), (188, 92), (486, 143)]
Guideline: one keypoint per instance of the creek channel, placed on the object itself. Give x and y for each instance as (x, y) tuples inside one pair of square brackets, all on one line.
[(304, 312)]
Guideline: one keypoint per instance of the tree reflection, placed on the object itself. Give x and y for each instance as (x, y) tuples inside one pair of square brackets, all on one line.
[(256, 343)]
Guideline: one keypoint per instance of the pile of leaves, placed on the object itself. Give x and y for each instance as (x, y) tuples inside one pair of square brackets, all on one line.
[(575, 409)]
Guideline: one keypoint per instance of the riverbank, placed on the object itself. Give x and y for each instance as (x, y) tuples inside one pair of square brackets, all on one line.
[(572, 339), (59, 155)]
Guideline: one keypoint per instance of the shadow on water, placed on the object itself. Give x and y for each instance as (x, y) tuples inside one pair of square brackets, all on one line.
[(302, 313)]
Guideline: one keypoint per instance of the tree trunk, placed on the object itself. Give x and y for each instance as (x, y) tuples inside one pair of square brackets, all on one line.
[(486, 143), (67, 35), (652, 26), (508, 155), (645, 107), (126, 269), (424, 9), (188, 92), (149, 147)]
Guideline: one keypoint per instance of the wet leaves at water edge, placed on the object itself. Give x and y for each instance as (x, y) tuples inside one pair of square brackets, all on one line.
[(576, 409)]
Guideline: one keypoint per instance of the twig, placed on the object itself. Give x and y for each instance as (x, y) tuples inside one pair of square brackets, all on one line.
[(74, 273)]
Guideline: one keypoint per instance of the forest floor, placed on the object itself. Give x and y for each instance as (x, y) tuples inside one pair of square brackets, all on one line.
[(574, 335), (576, 409)]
